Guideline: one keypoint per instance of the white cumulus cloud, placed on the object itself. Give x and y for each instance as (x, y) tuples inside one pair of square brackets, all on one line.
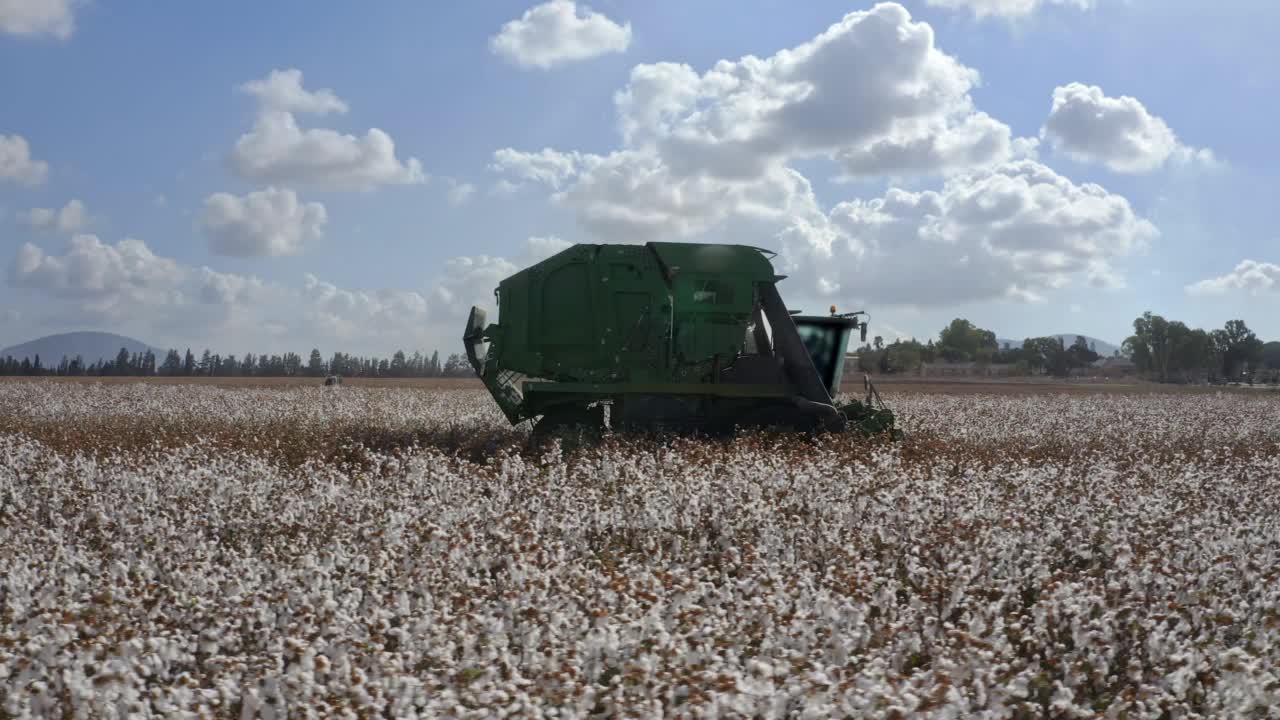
[(1250, 276), (631, 196), (269, 222), (872, 92), (38, 17), (278, 150), (467, 281), (460, 193), (16, 164), (559, 32), (1007, 9), (471, 280), (229, 288), (96, 284), (71, 218), (282, 90), (546, 166), (707, 157), (1117, 132), (1014, 231), (541, 248), (92, 269), (352, 314)]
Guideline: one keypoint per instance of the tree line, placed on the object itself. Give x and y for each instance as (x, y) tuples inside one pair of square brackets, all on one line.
[(963, 342), (210, 364), (1170, 351), (1164, 351)]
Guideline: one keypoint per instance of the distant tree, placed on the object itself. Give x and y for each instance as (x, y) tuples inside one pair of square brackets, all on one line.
[(315, 364), (1239, 348), (1150, 346), (1194, 354), (172, 364), (1041, 353), (929, 353), (1011, 355), (1170, 351), (121, 366), (899, 356), (961, 341), (1271, 355), (1080, 354), (457, 366), (903, 356)]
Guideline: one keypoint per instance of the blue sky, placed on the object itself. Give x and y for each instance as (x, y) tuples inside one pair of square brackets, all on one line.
[(1036, 166)]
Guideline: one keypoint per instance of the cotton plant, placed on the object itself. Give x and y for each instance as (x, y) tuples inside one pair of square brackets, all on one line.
[(294, 552)]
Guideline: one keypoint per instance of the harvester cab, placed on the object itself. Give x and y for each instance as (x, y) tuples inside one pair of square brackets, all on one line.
[(827, 338), (667, 336)]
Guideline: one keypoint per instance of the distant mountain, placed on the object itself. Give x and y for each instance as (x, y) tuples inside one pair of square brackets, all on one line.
[(91, 346), (1102, 347)]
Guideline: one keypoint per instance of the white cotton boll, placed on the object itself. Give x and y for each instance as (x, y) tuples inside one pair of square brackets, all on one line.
[(814, 596)]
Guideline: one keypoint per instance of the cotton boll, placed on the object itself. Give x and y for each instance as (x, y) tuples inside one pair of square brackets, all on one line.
[(813, 564)]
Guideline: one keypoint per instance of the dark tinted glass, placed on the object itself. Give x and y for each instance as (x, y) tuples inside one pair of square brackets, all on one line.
[(820, 341)]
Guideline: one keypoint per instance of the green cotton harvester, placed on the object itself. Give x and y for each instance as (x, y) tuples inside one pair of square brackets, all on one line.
[(666, 336)]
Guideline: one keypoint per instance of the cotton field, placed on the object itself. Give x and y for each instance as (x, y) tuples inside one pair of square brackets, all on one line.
[(355, 552)]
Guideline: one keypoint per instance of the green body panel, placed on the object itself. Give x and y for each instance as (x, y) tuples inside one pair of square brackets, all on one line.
[(641, 314)]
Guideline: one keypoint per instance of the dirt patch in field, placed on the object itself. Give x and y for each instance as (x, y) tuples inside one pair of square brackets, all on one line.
[(266, 382), (889, 386), (853, 386)]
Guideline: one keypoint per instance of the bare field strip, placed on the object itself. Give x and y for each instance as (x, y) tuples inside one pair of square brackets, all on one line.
[(890, 385), (399, 551), (260, 382), (887, 385)]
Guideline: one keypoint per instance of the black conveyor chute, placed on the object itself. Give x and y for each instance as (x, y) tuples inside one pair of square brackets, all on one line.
[(788, 345)]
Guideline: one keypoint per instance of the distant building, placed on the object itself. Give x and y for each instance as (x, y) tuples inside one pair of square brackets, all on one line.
[(966, 369), (1115, 367)]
